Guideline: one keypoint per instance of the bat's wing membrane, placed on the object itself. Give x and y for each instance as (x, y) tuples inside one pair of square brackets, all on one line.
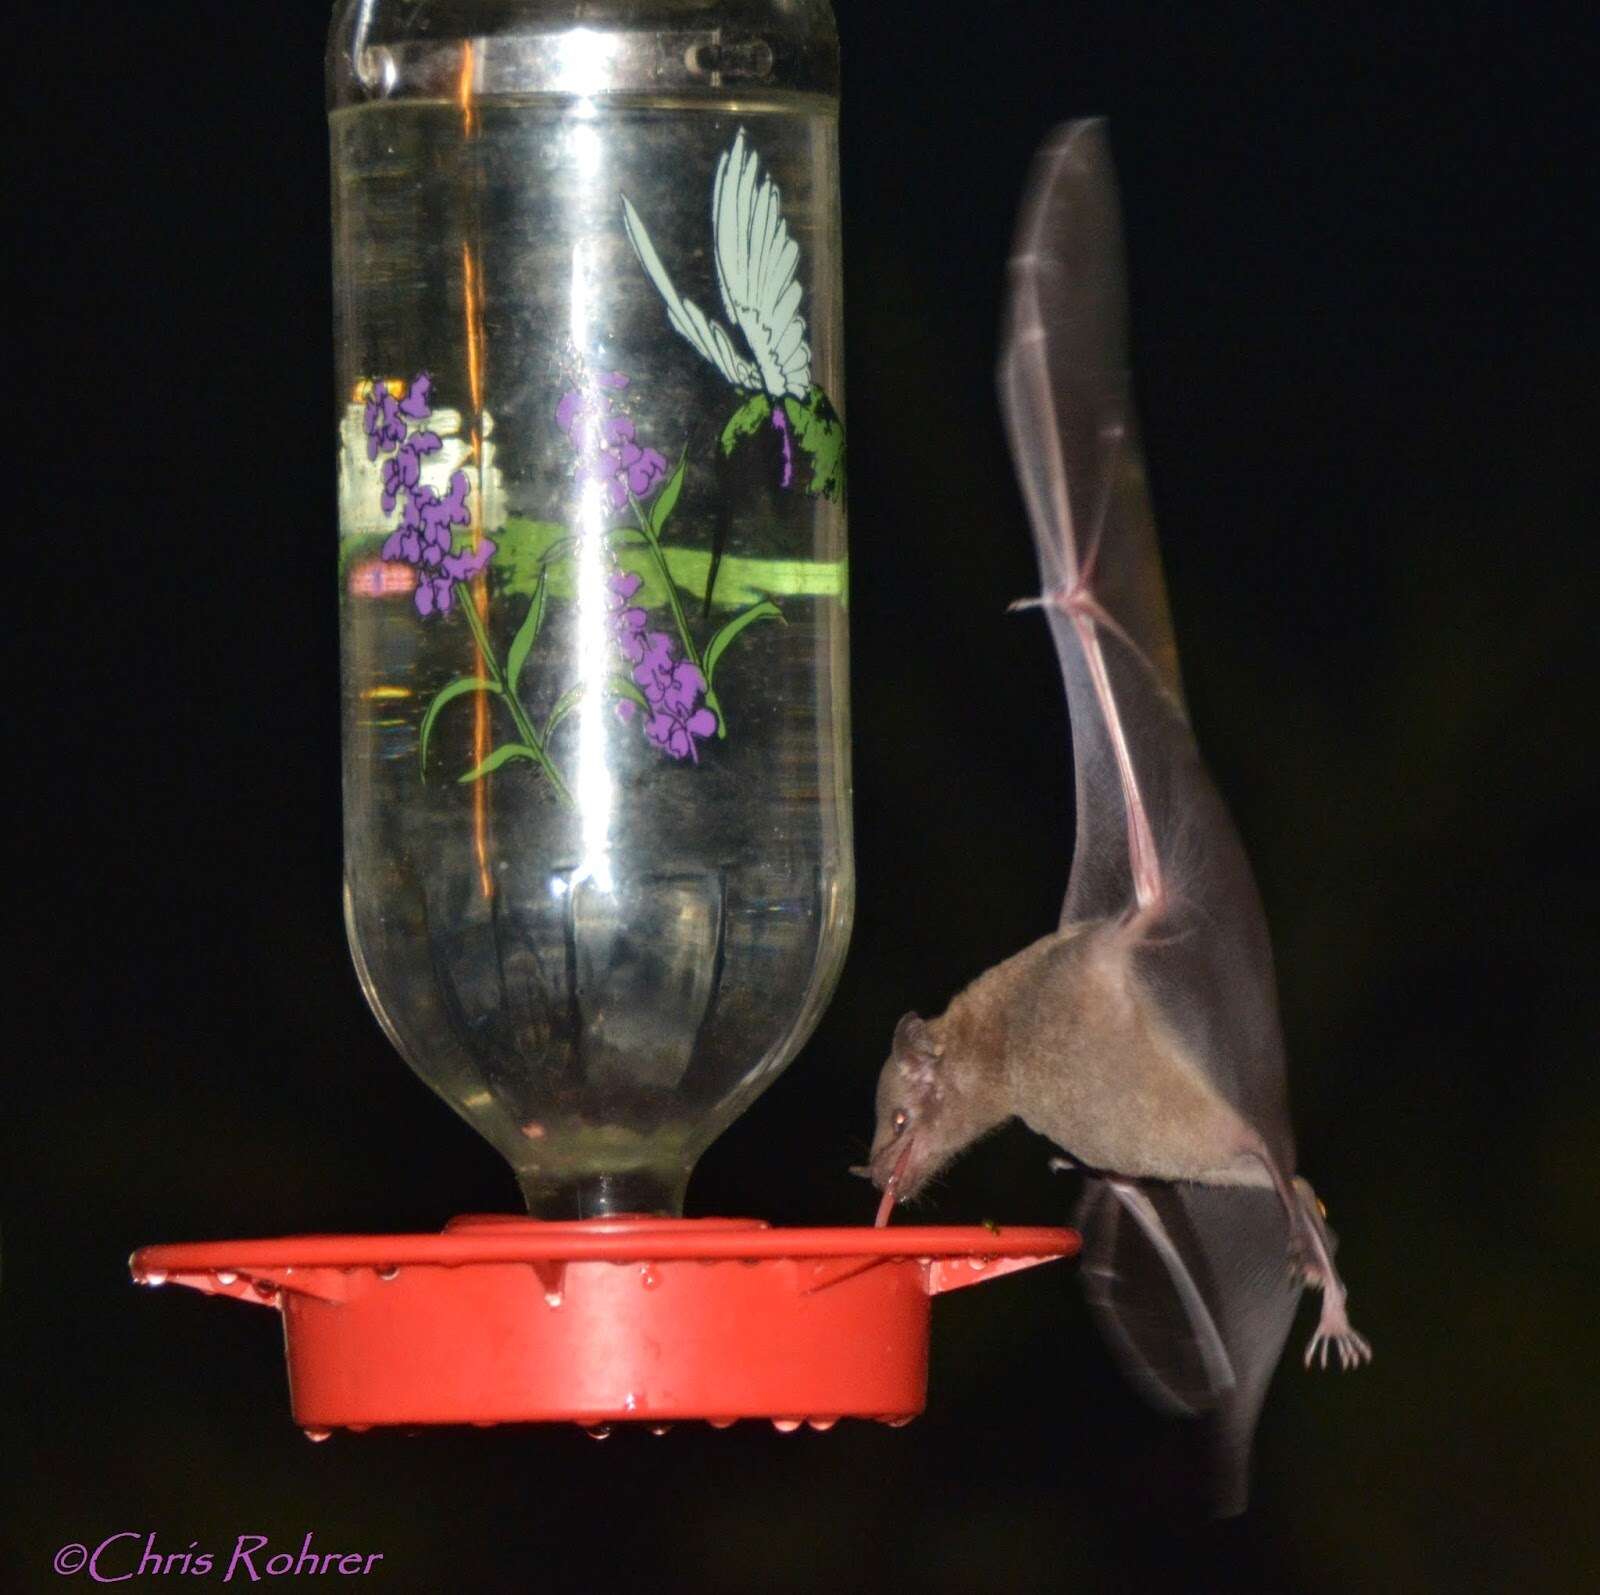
[(1189, 1283), (1189, 1286), (1153, 837), (1140, 1279)]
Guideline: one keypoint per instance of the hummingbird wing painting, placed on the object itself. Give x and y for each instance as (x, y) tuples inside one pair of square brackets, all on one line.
[(763, 352), (756, 262)]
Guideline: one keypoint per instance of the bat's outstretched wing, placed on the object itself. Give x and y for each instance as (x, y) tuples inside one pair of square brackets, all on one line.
[(687, 318), (756, 263), (1190, 1284), (1153, 837)]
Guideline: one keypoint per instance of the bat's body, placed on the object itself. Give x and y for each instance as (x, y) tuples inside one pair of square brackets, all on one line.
[(1142, 1037)]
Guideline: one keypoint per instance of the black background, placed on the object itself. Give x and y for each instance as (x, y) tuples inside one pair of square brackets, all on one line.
[(1365, 350)]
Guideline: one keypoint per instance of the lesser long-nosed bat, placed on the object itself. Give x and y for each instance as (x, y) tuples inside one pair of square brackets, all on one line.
[(1142, 1036)]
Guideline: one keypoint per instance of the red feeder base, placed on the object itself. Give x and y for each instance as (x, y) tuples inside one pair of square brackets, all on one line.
[(511, 1320)]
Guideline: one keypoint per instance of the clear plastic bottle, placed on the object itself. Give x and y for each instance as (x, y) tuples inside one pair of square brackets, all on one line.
[(592, 563)]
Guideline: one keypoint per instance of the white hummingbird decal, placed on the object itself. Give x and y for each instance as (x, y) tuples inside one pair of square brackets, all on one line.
[(756, 261)]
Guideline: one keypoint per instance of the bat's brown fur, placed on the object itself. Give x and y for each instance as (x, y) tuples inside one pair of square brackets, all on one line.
[(1060, 1036)]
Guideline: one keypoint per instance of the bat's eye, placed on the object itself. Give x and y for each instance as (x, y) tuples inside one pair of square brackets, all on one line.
[(900, 1120)]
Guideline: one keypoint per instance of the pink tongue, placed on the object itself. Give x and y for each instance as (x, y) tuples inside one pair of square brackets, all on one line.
[(892, 1190), (885, 1207)]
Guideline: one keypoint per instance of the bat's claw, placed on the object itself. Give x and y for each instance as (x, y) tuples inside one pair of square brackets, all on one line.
[(1333, 1330)]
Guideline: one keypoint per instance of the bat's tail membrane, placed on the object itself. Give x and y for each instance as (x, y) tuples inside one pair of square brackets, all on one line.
[(1191, 1288)]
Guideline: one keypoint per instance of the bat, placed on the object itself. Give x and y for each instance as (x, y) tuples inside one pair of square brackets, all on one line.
[(1142, 1036)]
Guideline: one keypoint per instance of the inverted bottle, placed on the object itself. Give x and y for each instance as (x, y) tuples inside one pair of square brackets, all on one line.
[(592, 568)]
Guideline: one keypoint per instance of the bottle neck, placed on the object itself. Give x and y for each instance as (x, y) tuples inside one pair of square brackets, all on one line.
[(653, 1192)]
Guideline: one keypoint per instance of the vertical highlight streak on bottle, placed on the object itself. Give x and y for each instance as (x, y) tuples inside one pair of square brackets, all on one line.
[(465, 90), (479, 594), (595, 792)]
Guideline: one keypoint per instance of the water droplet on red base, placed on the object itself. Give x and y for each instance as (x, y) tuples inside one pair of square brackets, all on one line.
[(722, 1423), (598, 1431), (153, 1276), (659, 1428), (786, 1425), (317, 1436), (822, 1424), (388, 1271), (648, 1277), (226, 1276)]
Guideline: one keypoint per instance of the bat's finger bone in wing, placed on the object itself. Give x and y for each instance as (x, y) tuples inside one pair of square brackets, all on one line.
[(1073, 598)]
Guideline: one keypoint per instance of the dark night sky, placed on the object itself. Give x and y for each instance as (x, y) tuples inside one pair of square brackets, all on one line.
[(1364, 343)]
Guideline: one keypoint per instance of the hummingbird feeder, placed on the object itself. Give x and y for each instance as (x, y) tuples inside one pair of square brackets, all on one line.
[(592, 578)]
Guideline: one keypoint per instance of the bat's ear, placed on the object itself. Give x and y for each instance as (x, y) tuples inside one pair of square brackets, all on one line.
[(915, 1047)]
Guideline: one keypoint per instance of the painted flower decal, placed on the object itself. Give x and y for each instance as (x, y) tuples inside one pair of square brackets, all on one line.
[(381, 417), (627, 622), (669, 688), (680, 718), (607, 444), (425, 536), (665, 679)]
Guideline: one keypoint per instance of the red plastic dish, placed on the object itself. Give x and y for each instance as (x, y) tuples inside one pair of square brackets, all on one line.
[(513, 1320)]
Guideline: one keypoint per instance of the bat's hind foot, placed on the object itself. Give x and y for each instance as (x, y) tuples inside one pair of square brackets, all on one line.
[(1311, 1254), (1333, 1329), (1311, 1260)]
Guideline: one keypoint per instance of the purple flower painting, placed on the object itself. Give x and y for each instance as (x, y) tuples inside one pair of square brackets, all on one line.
[(381, 417), (662, 679), (672, 688), (435, 588), (607, 443), (425, 536), (680, 718), (627, 620)]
